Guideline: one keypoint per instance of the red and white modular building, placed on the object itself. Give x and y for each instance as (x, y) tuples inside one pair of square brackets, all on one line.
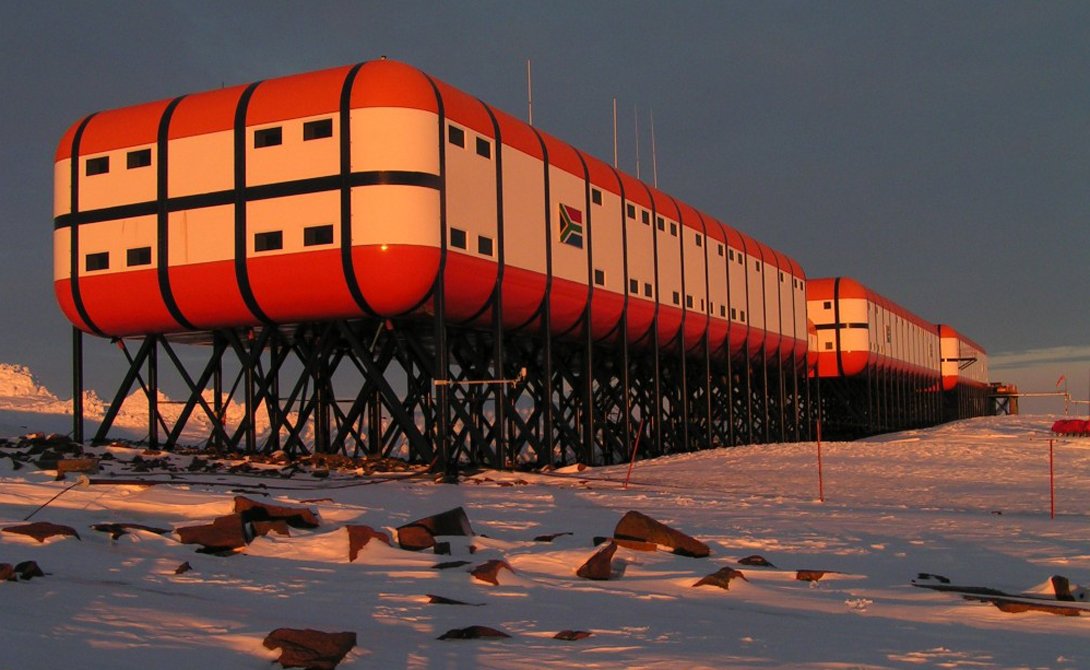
[(964, 374), (351, 192)]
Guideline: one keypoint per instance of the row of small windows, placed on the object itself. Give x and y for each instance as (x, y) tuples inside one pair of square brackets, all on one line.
[(312, 236), (312, 130), (133, 258), (457, 137), (137, 158)]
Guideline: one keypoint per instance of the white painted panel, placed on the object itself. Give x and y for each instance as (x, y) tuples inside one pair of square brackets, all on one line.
[(523, 210), (291, 215), (669, 249), (395, 215), (471, 193), (62, 250), (201, 164), (569, 262), (62, 187), (116, 237), (739, 296), (755, 282), (119, 186), (202, 235), (641, 254), (395, 138), (608, 242), (294, 158)]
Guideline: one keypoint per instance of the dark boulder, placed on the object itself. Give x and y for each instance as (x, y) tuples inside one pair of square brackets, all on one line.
[(572, 635), (224, 534), (472, 633), (116, 530), (421, 534), (359, 536), (308, 648), (296, 517), (642, 528), (489, 571), (41, 530), (600, 565), (756, 561), (722, 578)]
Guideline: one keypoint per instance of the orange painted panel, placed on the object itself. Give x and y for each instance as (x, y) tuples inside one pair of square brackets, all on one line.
[(126, 303), (386, 83), (296, 96), (207, 295), (468, 283), (202, 113), (566, 300), (605, 313), (120, 128), (307, 286), (396, 279), (63, 289), (523, 292)]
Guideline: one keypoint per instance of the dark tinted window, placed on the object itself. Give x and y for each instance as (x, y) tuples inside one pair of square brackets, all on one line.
[(99, 261), (100, 165), (484, 245), (268, 137), (318, 129), (457, 238), (269, 241), (596, 196), (315, 235), (599, 277), (138, 256), (484, 148), (456, 136), (138, 159)]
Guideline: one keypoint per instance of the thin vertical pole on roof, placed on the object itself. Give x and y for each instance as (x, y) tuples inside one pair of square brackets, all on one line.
[(614, 132), (77, 384), (654, 161), (529, 96)]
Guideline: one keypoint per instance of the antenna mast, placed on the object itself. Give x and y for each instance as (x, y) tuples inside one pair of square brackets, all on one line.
[(529, 96), (654, 162)]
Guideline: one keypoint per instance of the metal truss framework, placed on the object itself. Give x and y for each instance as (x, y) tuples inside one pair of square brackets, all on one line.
[(880, 401), (452, 397)]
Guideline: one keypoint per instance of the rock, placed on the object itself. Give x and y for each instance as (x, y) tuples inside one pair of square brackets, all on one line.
[(224, 534), (572, 635), (926, 576), (600, 565), (442, 548), (76, 465), (489, 571), (755, 560), (183, 568), (549, 538), (721, 578), (28, 570), (642, 528), (811, 575), (451, 522), (278, 526), (415, 538), (41, 530), (296, 517), (440, 600), (359, 536), (116, 530), (449, 564), (308, 648), (471, 633), (7, 573), (1061, 586), (1020, 607)]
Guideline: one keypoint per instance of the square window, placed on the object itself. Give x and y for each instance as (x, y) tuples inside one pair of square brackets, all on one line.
[(677, 298), (699, 242), (484, 245), (720, 249), (689, 301), (631, 210), (673, 229), (599, 277), (268, 137), (99, 261), (316, 235), (702, 305), (138, 256), (647, 290), (828, 345), (732, 254), (456, 136), (484, 148), (646, 216), (269, 241), (723, 311), (457, 238), (734, 312), (781, 276), (633, 286), (317, 129), (757, 264), (100, 165), (742, 315), (828, 304), (138, 159), (740, 260), (795, 283), (596, 196), (661, 223)]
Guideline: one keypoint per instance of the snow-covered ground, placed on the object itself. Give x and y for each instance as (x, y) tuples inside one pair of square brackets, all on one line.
[(968, 500)]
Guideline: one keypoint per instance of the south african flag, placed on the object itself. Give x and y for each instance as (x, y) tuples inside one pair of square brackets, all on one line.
[(571, 226)]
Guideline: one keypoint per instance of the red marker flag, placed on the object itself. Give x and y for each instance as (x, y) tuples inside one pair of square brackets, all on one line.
[(1061, 380)]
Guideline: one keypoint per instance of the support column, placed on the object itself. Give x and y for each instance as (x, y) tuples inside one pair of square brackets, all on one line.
[(77, 384)]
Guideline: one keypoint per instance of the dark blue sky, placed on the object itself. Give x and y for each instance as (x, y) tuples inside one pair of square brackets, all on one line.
[(936, 151)]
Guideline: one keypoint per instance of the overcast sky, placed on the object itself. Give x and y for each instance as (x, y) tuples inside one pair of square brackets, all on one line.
[(938, 152)]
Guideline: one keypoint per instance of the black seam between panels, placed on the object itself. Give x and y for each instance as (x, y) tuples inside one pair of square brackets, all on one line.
[(345, 184), (263, 192), (836, 320), (162, 227), (241, 273), (440, 279), (73, 206)]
